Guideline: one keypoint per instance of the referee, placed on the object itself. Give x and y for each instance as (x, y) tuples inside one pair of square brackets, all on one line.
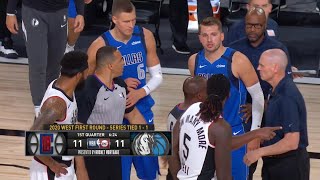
[(285, 157), (103, 101)]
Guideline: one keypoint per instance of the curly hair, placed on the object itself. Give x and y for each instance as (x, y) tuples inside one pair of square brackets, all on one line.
[(218, 88)]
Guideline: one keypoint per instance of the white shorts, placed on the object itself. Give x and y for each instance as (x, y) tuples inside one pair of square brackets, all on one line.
[(38, 171)]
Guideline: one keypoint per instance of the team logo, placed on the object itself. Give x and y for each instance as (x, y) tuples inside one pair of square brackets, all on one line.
[(34, 22), (45, 144), (150, 144), (95, 143)]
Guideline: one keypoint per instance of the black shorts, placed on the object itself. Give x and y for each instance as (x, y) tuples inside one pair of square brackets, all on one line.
[(293, 165), (104, 168)]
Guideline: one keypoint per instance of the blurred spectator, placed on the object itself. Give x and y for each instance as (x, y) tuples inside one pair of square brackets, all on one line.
[(178, 18), (44, 24), (237, 30), (6, 44)]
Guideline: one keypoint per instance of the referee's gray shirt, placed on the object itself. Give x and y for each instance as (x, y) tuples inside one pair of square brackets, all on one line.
[(97, 104)]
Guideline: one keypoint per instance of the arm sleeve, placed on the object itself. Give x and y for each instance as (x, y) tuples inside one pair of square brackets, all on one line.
[(79, 7), (12, 6), (257, 105), (155, 80)]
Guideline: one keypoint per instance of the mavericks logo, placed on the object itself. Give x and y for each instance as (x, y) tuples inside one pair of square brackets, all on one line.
[(150, 144)]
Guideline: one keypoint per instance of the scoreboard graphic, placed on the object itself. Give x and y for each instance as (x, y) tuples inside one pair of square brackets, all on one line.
[(98, 143)]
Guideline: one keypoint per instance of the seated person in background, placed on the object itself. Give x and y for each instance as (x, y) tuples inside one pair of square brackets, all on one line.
[(237, 30)]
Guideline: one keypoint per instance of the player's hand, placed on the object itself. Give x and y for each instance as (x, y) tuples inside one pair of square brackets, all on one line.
[(253, 145), (134, 96), (78, 23), (295, 75), (251, 157), (87, 1), (12, 24), (267, 133), (247, 110), (132, 83), (58, 168)]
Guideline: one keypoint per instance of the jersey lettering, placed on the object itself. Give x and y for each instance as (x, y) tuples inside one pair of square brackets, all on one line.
[(133, 58)]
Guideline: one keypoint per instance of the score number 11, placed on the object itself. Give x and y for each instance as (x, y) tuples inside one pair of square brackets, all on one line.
[(120, 143)]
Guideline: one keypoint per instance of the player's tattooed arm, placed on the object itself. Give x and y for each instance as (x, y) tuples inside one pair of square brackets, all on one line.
[(53, 109)]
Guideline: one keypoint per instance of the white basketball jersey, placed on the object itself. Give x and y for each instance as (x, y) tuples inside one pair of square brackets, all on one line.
[(195, 152), (72, 109)]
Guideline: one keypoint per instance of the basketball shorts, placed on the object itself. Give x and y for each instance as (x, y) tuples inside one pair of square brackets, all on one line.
[(39, 171), (147, 168), (72, 11), (239, 169)]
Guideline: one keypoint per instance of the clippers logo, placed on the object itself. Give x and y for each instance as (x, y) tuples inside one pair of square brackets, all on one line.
[(38, 143), (95, 143), (46, 143)]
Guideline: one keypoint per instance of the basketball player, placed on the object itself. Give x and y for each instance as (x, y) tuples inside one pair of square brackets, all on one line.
[(217, 59), (194, 90), (138, 48), (202, 140), (59, 106)]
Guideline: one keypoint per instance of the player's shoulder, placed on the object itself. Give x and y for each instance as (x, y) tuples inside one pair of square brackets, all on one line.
[(99, 42), (239, 58), (193, 57)]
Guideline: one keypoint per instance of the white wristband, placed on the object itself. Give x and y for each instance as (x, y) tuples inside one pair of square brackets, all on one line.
[(8, 14), (155, 80)]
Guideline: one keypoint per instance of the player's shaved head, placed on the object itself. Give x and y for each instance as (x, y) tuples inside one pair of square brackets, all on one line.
[(192, 86), (276, 56)]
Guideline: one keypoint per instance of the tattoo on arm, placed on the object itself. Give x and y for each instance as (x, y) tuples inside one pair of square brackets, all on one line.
[(53, 109)]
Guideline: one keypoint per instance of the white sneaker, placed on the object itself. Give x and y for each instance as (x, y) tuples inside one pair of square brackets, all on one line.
[(69, 48)]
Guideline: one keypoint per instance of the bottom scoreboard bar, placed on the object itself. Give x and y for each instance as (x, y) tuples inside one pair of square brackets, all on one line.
[(98, 152)]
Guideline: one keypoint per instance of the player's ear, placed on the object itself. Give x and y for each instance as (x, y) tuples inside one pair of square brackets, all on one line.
[(222, 36)]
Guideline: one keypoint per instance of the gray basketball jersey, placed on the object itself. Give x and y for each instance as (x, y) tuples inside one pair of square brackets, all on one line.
[(195, 151)]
